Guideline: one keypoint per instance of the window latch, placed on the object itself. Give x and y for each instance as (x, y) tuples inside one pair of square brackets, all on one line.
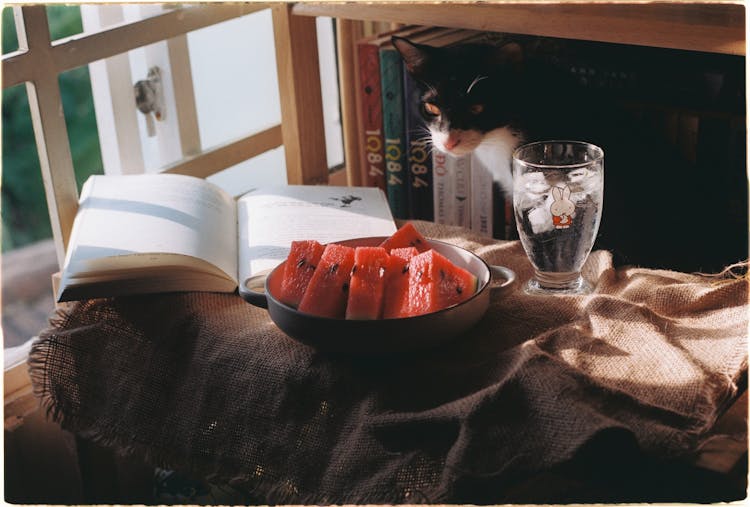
[(149, 99)]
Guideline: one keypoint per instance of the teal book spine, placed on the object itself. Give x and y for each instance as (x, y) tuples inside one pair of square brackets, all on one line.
[(419, 148), (394, 132)]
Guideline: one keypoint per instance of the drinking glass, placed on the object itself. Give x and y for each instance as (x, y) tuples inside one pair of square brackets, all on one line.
[(558, 191)]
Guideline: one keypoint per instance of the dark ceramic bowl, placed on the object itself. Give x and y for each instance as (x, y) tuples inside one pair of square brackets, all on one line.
[(384, 336)]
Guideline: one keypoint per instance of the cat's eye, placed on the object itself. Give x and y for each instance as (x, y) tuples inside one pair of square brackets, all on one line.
[(476, 108), (431, 109)]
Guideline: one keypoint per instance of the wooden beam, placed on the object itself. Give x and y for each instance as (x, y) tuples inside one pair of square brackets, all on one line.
[(226, 155), (713, 27), (72, 52), (184, 95), (50, 131), (301, 102)]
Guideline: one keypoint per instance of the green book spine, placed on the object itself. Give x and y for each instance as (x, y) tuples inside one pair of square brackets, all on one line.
[(394, 131)]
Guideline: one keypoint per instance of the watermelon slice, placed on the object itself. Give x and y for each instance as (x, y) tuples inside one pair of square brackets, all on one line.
[(327, 292), (406, 236), (367, 283), (454, 285), (299, 268), (396, 297), (433, 283)]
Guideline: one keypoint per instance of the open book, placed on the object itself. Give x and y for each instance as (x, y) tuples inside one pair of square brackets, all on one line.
[(165, 232)]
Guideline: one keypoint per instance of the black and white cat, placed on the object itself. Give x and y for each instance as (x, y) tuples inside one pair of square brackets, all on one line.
[(468, 91), (489, 99), (486, 99)]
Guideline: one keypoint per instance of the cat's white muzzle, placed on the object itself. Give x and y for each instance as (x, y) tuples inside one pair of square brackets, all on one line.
[(456, 142)]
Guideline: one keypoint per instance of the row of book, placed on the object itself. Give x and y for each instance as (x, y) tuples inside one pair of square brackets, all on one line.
[(681, 96), (397, 156)]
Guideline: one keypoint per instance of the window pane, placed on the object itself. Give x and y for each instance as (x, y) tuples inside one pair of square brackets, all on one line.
[(24, 208), (10, 40), (267, 169), (80, 120), (64, 21), (29, 257), (234, 76), (330, 92)]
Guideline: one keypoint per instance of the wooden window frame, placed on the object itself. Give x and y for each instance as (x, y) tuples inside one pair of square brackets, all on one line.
[(39, 61)]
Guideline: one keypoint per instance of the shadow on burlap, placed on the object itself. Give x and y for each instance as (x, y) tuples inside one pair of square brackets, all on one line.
[(205, 383)]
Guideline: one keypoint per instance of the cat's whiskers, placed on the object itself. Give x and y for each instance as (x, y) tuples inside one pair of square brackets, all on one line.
[(425, 134), (475, 81)]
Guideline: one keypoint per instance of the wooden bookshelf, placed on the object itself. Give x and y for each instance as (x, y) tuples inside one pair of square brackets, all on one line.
[(712, 27), (717, 27)]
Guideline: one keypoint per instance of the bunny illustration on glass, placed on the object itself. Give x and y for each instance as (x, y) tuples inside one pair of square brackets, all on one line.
[(562, 208)]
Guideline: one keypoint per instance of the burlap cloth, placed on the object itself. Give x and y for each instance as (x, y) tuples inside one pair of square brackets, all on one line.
[(206, 383)]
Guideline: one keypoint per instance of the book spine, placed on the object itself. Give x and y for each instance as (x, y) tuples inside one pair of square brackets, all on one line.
[(420, 162), (442, 189), (481, 197), (499, 230), (462, 190), (373, 154), (395, 135)]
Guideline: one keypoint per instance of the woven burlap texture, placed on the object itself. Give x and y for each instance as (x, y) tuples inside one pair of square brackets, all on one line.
[(206, 383)]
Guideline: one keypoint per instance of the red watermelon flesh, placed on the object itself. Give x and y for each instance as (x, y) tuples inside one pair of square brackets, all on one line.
[(367, 283), (454, 285), (405, 253), (406, 236), (299, 268), (327, 292), (396, 297), (434, 283)]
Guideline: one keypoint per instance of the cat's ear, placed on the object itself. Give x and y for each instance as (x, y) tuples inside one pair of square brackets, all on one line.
[(510, 53), (415, 56)]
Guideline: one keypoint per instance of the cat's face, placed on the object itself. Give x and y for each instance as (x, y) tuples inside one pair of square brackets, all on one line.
[(467, 90)]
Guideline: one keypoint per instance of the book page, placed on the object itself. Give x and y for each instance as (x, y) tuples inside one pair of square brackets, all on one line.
[(271, 218), (141, 215)]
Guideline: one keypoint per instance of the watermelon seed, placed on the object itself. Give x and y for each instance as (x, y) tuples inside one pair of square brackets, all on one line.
[(459, 289), (405, 269), (354, 269), (333, 268), (301, 263), (345, 287)]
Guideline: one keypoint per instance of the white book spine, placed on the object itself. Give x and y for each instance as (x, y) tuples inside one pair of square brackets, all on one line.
[(462, 190), (442, 188), (481, 208)]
